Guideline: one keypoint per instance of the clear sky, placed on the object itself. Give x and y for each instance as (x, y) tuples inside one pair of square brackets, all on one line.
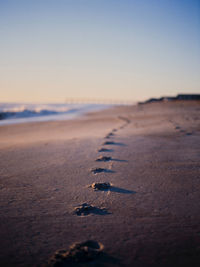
[(51, 50)]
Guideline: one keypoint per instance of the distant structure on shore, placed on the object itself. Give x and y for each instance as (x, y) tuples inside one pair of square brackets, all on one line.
[(98, 101), (172, 98)]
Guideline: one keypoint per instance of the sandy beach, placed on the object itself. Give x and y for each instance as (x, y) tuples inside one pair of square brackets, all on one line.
[(149, 216)]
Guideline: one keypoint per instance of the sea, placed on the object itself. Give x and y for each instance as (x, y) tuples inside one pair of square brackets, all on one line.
[(14, 113)]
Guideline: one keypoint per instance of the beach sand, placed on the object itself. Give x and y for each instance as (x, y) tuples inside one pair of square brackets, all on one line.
[(149, 216)]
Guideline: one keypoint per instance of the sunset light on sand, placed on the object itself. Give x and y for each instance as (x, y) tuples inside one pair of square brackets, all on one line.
[(99, 133)]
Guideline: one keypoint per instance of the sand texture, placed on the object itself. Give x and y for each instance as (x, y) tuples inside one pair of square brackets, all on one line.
[(120, 187)]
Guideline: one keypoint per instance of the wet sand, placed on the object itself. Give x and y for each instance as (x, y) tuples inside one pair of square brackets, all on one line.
[(149, 214)]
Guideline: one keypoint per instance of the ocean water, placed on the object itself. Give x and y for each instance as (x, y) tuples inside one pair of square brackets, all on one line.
[(11, 113)]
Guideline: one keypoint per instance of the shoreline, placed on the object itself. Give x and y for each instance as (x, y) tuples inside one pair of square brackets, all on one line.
[(28, 113), (152, 207)]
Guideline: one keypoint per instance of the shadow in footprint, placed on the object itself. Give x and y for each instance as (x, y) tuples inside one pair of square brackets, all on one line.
[(124, 119), (105, 150), (109, 135), (108, 187), (105, 259), (80, 254), (86, 209), (119, 160), (104, 159), (99, 170), (113, 143), (100, 186), (121, 190)]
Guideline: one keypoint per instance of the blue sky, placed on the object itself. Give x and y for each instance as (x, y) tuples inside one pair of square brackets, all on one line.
[(102, 49)]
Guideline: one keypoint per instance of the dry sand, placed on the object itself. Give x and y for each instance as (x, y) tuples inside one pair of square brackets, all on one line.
[(150, 215)]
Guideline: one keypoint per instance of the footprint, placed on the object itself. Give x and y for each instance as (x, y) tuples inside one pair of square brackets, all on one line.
[(103, 158), (98, 170), (86, 209), (87, 251), (122, 127), (100, 186), (113, 143), (105, 150), (109, 187), (124, 119), (109, 143), (109, 135)]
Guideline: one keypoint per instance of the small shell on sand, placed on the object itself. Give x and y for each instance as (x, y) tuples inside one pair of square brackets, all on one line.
[(101, 186), (77, 253)]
